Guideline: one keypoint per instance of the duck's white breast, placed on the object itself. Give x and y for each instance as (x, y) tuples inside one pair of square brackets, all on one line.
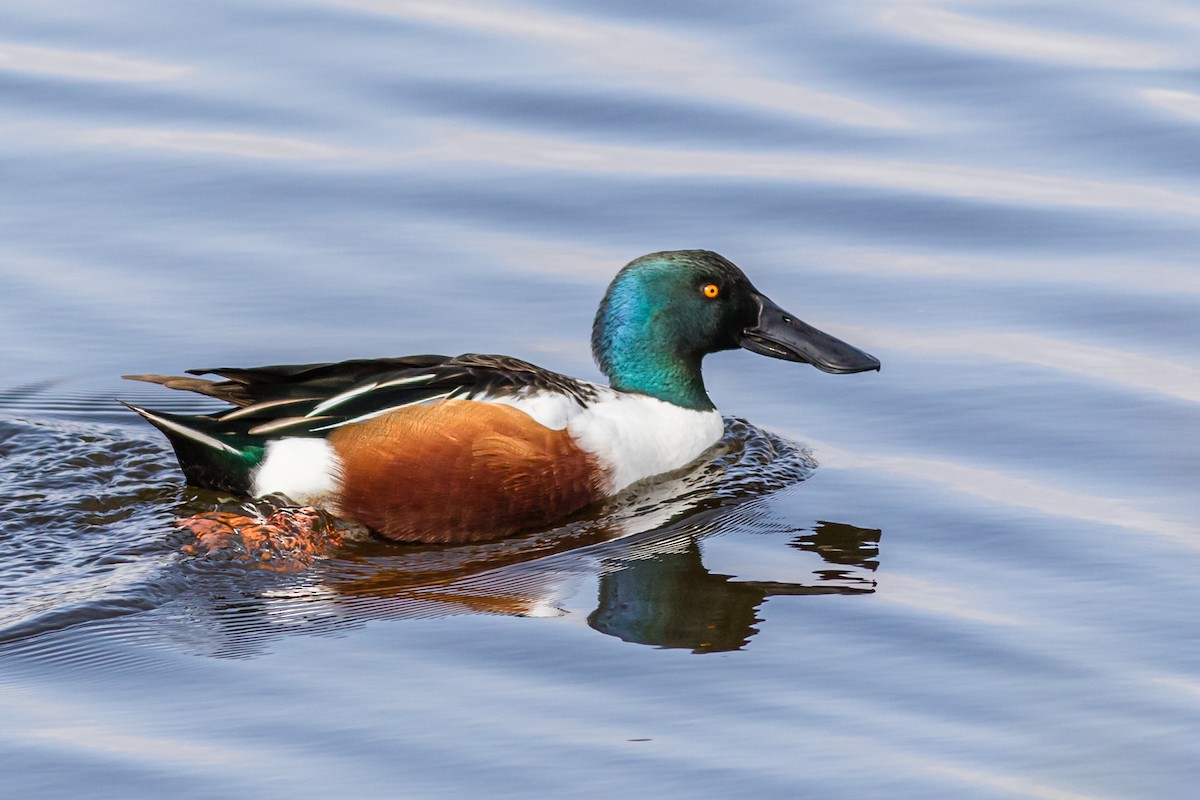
[(635, 436)]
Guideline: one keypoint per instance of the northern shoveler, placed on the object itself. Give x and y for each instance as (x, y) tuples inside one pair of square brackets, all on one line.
[(437, 449)]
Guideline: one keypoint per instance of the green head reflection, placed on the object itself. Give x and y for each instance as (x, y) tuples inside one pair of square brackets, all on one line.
[(671, 600)]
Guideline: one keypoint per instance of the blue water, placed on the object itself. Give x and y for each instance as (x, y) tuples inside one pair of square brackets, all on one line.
[(971, 575)]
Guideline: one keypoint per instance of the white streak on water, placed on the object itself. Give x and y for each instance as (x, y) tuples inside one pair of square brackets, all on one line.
[(93, 66), (448, 144), (1184, 104), (926, 178), (230, 143), (942, 599), (1180, 687), (1125, 368), (1136, 275), (89, 726), (1015, 491), (1021, 41), (651, 60)]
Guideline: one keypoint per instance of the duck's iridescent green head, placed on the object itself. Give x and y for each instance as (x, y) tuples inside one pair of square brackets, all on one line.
[(665, 311)]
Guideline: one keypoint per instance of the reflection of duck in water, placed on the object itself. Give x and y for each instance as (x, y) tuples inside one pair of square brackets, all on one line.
[(643, 549), (671, 600), (653, 590), (437, 449)]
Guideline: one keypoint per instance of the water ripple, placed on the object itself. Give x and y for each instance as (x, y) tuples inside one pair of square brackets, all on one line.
[(1184, 104), (84, 65), (930, 178), (980, 35), (227, 143), (1022, 491), (1128, 369), (638, 56)]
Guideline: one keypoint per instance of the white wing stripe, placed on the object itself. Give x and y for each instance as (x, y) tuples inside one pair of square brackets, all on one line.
[(191, 433), (257, 407), (324, 406), (403, 381), (383, 411)]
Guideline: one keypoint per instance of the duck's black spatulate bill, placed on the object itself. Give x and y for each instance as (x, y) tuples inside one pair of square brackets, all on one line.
[(779, 334)]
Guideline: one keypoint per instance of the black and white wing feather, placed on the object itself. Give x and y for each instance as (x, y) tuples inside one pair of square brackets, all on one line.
[(313, 399)]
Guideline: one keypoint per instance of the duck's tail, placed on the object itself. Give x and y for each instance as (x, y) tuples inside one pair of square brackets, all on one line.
[(209, 458)]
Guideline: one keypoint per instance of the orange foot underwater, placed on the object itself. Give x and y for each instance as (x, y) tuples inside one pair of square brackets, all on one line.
[(289, 539)]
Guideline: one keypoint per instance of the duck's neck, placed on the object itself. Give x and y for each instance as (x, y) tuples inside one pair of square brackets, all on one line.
[(638, 354)]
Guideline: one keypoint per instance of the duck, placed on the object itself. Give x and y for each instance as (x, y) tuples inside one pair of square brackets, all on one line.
[(447, 450)]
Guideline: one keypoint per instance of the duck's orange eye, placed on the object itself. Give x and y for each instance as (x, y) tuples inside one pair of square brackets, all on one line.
[(711, 290)]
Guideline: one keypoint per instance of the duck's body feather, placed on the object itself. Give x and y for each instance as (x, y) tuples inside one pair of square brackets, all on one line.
[(420, 435), (432, 448)]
